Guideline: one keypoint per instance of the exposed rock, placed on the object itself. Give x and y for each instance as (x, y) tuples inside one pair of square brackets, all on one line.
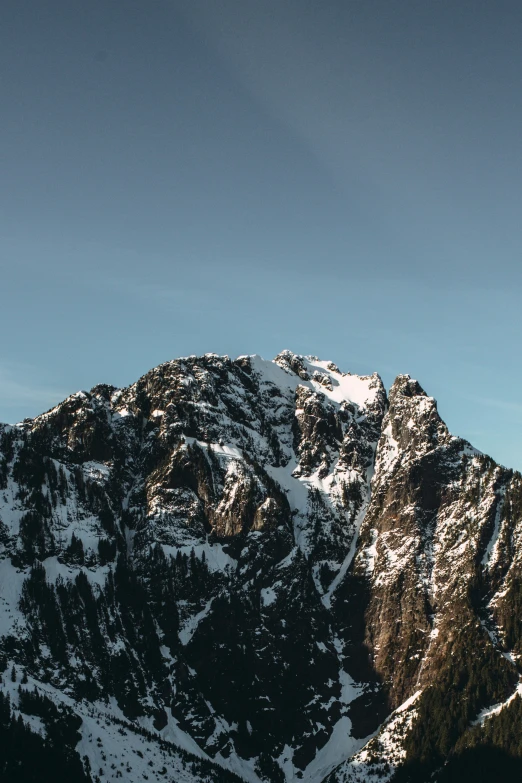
[(266, 563)]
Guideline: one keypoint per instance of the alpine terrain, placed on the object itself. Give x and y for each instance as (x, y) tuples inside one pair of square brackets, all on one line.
[(254, 570)]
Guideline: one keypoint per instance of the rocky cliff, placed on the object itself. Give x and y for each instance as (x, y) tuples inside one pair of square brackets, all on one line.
[(270, 570)]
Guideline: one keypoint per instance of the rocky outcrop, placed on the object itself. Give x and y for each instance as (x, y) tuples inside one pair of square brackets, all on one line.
[(273, 565)]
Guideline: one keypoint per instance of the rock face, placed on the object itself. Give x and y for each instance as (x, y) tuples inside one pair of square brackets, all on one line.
[(269, 570)]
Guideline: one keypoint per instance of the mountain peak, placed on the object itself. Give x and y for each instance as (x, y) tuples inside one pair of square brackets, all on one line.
[(363, 390), (406, 386), (263, 563)]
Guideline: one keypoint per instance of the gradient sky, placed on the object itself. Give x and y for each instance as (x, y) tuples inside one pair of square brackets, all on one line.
[(340, 178)]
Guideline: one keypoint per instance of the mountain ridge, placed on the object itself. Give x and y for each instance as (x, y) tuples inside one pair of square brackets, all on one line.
[(257, 561)]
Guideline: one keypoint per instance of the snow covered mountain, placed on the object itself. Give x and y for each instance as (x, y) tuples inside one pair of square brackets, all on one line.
[(256, 570)]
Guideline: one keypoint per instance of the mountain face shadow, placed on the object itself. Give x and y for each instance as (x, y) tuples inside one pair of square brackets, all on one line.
[(483, 764)]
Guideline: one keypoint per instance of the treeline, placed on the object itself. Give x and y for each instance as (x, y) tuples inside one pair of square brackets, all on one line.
[(113, 629), (472, 677), (44, 485), (492, 751), (209, 772), (28, 757)]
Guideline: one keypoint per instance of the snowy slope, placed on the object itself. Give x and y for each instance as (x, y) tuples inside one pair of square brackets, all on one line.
[(268, 565)]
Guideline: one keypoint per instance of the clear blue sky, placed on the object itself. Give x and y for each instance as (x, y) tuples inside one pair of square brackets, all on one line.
[(339, 178)]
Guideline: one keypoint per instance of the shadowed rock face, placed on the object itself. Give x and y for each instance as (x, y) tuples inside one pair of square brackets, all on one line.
[(267, 562)]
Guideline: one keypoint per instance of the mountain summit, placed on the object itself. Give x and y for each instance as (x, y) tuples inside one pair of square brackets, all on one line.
[(255, 570)]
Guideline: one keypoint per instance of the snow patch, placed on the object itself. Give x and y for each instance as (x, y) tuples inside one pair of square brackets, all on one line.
[(190, 625), (268, 596)]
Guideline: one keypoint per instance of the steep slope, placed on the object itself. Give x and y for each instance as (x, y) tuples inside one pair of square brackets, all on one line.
[(430, 555), (267, 565)]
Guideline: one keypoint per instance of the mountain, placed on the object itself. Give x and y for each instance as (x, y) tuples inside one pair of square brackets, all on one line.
[(260, 571)]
